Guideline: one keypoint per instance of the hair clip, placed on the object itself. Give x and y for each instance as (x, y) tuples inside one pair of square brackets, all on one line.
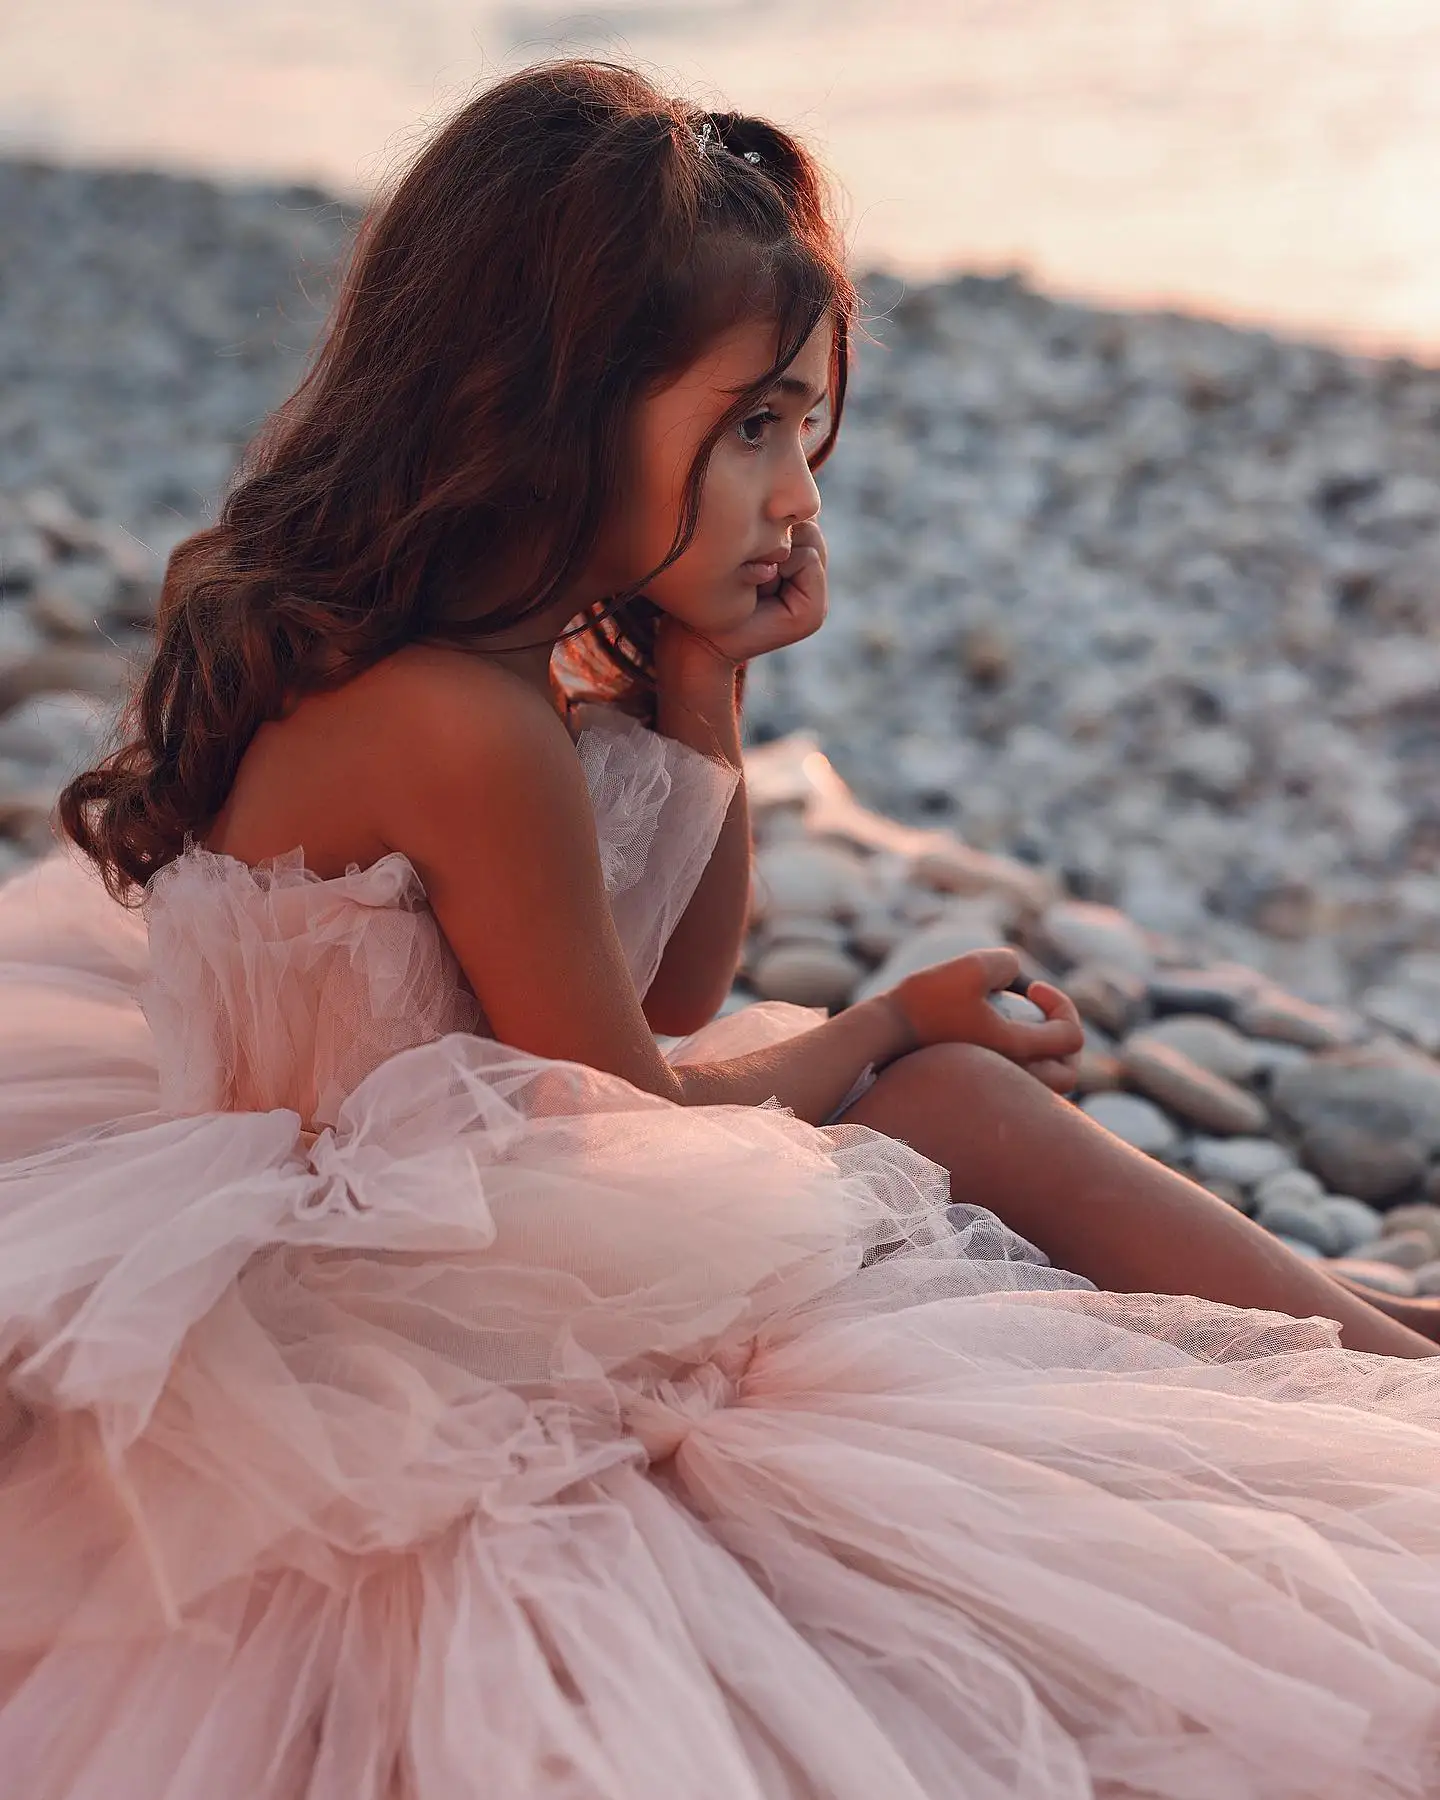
[(707, 135)]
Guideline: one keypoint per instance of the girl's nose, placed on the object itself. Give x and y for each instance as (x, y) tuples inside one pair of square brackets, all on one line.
[(797, 499)]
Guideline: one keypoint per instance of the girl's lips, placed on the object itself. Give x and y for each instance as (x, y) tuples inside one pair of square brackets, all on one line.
[(760, 572)]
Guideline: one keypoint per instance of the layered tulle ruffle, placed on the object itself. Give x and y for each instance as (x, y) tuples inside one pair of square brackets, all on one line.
[(505, 1431)]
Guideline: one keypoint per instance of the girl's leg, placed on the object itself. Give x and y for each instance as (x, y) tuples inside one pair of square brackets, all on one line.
[(1420, 1315), (1096, 1206)]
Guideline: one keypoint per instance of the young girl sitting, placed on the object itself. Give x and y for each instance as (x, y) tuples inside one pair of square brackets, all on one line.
[(420, 1386)]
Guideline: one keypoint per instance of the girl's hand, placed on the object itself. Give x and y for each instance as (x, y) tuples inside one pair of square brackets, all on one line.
[(951, 1004), (791, 607)]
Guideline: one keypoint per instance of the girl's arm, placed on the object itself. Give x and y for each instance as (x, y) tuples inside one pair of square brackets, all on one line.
[(699, 680), (699, 705), (475, 780), (812, 1072)]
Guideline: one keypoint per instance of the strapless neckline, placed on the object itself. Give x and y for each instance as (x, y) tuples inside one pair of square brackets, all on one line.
[(292, 863)]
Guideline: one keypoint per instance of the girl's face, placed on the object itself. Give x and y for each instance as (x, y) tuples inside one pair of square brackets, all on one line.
[(758, 486)]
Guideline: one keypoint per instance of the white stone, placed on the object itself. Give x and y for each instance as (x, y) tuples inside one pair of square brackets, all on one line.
[(1107, 997), (1412, 1011), (1301, 1246), (1135, 1120), (1181, 1085), (1017, 1008), (806, 974), (1290, 1185), (1290, 1215), (54, 733), (1401, 1249), (1247, 1161), (1271, 1056), (1356, 1221), (1083, 933), (820, 880), (1422, 1216), (20, 633), (1383, 1277), (800, 928), (1291, 1020), (876, 931), (966, 926), (75, 600), (958, 868), (1212, 1043), (1217, 761)]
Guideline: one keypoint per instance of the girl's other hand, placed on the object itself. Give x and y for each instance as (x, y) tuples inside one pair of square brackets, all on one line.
[(951, 1003)]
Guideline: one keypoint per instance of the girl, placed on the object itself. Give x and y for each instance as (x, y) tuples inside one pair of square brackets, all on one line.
[(418, 1385)]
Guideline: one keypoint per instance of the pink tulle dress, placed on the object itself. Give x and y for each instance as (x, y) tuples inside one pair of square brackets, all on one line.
[(392, 1415)]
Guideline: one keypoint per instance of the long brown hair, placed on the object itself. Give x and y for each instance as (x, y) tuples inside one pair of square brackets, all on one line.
[(570, 239)]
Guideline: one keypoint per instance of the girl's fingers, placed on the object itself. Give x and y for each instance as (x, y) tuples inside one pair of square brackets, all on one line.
[(808, 533), (1059, 1034), (993, 969), (1058, 1074), (1052, 1001), (1027, 1043), (1050, 1051), (800, 588)]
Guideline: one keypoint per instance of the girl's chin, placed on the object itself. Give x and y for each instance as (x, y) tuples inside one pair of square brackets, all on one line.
[(746, 608), (725, 610), (729, 606)]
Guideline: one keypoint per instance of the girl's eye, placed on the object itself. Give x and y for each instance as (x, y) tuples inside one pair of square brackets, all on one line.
[(762, 419), (769, 417)]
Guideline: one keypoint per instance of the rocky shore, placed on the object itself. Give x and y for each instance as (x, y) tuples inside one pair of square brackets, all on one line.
[(1133, 661), (1318, 1121)]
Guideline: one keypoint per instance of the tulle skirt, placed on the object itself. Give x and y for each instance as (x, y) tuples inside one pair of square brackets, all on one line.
[(527, 1436)]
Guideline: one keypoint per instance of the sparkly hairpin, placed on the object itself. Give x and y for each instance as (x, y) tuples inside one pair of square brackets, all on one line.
[(707, 135)]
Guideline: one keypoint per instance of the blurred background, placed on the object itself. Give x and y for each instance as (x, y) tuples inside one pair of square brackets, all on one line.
[(1269, 159), (1133, 656)]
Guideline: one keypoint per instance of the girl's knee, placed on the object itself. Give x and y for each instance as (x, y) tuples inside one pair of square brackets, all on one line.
[(944, 1099), (948, 1066), (940, 1085)]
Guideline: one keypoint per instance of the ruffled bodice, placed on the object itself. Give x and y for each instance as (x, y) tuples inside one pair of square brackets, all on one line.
[(274, 987)]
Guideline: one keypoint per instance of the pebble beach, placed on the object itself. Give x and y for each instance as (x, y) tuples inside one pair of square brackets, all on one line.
[(1132, 662)]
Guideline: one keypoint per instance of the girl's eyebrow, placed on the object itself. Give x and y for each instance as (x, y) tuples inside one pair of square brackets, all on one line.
[(793, 386)]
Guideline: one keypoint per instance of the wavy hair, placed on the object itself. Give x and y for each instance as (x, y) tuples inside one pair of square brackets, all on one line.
[(568, 241)]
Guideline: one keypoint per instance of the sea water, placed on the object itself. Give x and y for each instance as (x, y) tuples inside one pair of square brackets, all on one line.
[(1271, 160)]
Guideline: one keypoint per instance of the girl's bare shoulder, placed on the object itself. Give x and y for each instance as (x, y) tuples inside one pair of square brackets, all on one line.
[(346, 771), (411, 704), (447, 730)]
